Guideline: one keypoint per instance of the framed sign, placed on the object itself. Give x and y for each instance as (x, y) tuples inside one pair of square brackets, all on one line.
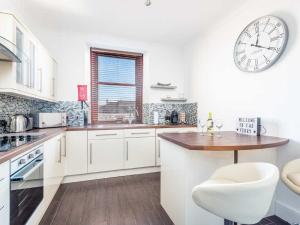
[(249, 126)]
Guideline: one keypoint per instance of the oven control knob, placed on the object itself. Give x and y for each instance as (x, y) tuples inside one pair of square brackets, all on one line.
[(38, 152), (22, 161), (31, 156)]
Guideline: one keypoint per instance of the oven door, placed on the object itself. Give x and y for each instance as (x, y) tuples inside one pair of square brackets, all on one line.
[(26, 191)]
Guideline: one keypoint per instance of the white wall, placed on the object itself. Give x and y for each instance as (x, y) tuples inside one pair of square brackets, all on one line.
[(163, 63), (218, 86)]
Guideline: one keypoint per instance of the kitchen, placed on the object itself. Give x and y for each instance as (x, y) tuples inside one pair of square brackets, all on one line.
[(94, 102)]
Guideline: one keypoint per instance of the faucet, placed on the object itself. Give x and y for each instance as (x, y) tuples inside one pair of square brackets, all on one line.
[(131, 110)]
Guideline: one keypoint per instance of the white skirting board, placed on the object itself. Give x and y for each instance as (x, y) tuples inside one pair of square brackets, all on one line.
[(118, 173), (287, 213)]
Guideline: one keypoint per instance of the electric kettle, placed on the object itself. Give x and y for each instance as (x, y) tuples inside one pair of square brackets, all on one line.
[(19, 123)]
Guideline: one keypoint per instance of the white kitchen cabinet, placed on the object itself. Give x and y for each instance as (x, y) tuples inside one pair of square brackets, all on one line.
[(37, 70), (76, 153), (7, 27), (53, 166), (168, 130), (139, 152), (46, 74), (4, 193), (105, 155)]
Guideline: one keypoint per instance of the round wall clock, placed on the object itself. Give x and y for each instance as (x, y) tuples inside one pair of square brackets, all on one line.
[(261, 44)]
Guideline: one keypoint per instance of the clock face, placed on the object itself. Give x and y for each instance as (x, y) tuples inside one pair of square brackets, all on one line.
[(260, 44)]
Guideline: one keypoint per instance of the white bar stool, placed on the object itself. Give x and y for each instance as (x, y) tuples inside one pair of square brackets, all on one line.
[(241, 192), (290, 175)]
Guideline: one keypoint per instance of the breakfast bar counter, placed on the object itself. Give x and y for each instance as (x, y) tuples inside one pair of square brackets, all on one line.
[(188, 159)]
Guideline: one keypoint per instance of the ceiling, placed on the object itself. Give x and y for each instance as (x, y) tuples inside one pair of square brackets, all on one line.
[(168, 21)]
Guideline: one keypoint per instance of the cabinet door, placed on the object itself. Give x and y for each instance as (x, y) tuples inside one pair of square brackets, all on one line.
[(76, 153), (139, 152), (105, 155), (45, 75), (7, 25), (53, 167)]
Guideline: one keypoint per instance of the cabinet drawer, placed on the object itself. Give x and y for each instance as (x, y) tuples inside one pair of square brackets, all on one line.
[(105, 134), (131, 133)]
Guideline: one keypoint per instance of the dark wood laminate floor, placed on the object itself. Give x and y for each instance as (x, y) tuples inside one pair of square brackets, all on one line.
[(130, 200)]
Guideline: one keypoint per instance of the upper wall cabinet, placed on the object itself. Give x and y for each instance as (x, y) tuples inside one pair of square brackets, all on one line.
[(26, 68)]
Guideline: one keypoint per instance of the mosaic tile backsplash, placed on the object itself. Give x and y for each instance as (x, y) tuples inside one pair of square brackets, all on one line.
[(190, 110), (18, 105)]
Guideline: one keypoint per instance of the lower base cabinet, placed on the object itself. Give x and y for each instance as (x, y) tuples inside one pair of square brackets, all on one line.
[(105, 155), (139, 152), (53, 166), (76, 153)]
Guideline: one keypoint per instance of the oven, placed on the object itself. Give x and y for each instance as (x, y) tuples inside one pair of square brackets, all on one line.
[(26, 185)]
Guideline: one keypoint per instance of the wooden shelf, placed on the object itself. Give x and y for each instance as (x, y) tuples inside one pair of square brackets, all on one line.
[(174, 99), (163, 87)]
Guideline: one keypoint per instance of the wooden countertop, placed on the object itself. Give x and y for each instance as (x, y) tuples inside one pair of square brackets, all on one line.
[(228, 141), (128, 126), (52, 132), (48, 134)]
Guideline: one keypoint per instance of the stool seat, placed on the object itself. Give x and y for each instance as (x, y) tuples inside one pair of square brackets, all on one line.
[(291, 175), (241, 192)]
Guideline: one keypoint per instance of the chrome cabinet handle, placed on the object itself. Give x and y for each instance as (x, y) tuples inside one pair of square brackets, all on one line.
[(158, 148), (65, 146), (101, 135), (41, 79), (127, 151), (91, 153), (134, 133), (53, 87), (59, 160)]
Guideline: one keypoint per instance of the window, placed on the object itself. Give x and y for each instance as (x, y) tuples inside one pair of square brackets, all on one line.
[(116, 86)]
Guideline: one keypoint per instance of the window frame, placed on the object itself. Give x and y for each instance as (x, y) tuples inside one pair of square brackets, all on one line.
[(138, 57)]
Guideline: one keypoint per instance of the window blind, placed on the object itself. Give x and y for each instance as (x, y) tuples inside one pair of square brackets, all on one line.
[(116, 86)]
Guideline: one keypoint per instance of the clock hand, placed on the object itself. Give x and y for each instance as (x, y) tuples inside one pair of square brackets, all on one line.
[(257, 38), (259, 46)]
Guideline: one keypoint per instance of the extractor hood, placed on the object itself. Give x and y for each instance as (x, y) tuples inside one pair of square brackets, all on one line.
[(9, 51)]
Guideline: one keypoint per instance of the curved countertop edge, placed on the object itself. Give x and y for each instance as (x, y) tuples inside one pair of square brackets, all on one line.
[(49, 133), (184, 140)]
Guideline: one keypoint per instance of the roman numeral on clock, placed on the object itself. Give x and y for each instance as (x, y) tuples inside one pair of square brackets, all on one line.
[(267, 60), (256, 25), (275, 49), (256, 64), (267, 23), (240, 52), (243, 59), (271, 31), (248, 34), (275, 38), (248, 63)]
